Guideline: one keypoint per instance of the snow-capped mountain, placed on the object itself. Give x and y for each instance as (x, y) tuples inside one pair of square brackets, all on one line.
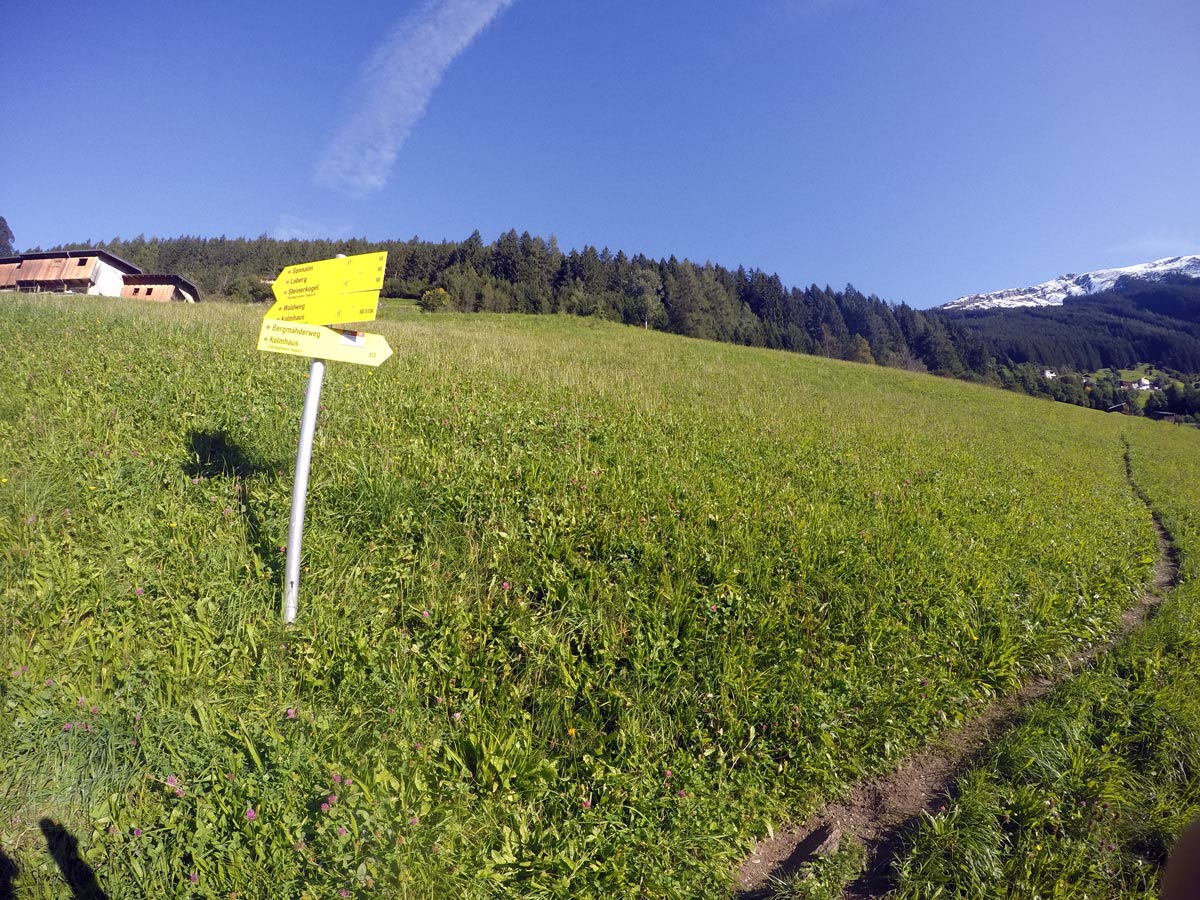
[(1052, 293)]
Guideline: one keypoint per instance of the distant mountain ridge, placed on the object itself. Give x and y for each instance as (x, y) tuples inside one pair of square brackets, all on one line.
[(1055, 292)]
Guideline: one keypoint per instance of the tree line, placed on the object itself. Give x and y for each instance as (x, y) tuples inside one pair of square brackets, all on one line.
[(522, 273)]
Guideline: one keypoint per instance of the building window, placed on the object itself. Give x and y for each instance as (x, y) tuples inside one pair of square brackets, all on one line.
[(149, 291), (136, 291), (82, 262)]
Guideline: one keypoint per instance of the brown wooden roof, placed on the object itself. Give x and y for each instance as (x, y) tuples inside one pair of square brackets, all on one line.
[(173, 280), (121, 265)]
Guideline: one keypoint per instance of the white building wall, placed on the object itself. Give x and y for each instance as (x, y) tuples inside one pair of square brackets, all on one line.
[(109, 281)]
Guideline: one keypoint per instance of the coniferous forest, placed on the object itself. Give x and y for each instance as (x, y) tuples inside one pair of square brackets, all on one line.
[(1136, 323)]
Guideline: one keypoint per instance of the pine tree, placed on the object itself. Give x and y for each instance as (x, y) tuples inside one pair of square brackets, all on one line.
[(6, 238)]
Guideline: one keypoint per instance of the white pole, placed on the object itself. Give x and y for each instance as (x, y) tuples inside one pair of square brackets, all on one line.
[(308, 426)]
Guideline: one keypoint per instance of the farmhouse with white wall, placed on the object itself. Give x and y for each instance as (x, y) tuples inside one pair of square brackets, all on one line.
[(90, 272)]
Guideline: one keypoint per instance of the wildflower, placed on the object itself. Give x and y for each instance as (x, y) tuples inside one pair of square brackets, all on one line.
[(251, 814), (425, 614), (668, 773), (137, 832), (229, 776), (457, 717), (332, 799), (291, 713), (67, 726), (570, 732), (414, 821), (346, 781), (343, 893), (324, 807), (193, 877), (178, 792), (337, 779), (682, 793), (172, 780), (504, 586), (341, 831), (95, 709), (140, 591), (587, 804), (172, 524), (228, 511)]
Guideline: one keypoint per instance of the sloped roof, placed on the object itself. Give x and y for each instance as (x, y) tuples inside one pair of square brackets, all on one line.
[(113, 260)]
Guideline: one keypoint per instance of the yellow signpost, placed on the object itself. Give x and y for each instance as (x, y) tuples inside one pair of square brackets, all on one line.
[(319, 342), (329, 290), (308, 297)]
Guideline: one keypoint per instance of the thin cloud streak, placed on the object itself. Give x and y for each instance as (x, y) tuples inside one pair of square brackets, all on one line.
[(295, 228), (394, 89)]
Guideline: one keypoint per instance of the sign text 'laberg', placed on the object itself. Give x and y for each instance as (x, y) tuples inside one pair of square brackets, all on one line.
[(329, 290)]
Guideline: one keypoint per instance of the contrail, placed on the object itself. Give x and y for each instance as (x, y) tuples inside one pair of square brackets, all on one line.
[(395, 87)]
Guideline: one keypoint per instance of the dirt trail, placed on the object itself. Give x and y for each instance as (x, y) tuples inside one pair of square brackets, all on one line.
[(881, 811)]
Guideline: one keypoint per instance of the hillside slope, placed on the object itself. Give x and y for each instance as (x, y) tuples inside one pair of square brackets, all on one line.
[(585, 607), (1133, 322)]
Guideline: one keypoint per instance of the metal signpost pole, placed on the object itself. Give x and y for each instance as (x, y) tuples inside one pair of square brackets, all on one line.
[(308, 426), (307, 296)]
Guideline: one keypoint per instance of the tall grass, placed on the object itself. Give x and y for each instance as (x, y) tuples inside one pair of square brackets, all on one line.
[(1087, 797), (584, 609)]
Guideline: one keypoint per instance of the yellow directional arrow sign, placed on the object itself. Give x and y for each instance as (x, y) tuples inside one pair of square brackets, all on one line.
[(329, 290), (319, 342)]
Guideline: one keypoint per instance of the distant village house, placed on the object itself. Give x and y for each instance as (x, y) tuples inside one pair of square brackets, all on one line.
[(95, 272)]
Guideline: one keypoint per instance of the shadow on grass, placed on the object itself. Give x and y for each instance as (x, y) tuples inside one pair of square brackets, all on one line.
[(8, 877), (79, 876), (213, 454)]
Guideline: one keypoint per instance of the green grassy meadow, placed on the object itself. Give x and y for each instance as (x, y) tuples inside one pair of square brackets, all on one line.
[(1086, 798), (585, 609)]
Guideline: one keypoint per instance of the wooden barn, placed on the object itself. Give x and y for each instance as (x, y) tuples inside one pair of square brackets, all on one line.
[(90, 272), (66, 271), (160, 288)]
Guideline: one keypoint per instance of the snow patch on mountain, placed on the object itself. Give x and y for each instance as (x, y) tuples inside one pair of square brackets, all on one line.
[(1053, 293)]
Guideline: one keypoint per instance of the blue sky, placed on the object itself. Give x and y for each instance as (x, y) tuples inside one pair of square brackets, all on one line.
[(919, 150)]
